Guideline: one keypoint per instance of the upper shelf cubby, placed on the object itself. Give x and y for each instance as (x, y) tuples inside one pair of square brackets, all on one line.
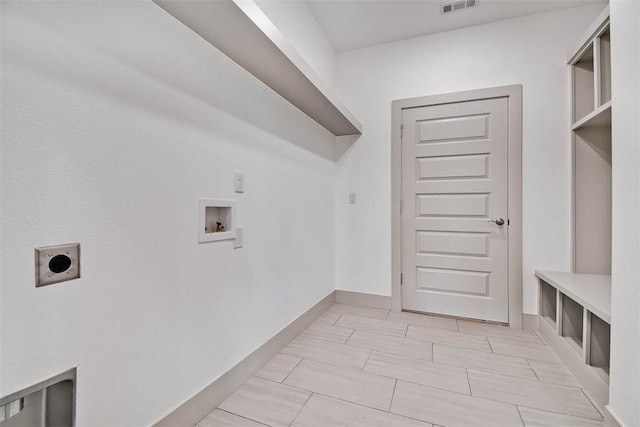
[(604, 41), (583, 85), (242, 31), (591, 72), (590, 65)]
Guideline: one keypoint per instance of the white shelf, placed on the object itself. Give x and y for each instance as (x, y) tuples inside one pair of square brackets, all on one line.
[(240, 30), (592, 291), (600, 117), (575, 308)]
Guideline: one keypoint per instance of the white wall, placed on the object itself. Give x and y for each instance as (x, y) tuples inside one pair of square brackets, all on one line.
[(297, 24), (530, 51), (624, 391), (116, 119)]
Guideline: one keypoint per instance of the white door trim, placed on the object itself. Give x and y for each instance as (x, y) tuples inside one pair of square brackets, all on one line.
[(513, 94)]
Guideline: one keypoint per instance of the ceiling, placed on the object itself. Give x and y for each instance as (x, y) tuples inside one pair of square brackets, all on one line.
[(352, 24)]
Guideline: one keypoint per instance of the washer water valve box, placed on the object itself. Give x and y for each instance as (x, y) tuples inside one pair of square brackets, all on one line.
[(216, 220)]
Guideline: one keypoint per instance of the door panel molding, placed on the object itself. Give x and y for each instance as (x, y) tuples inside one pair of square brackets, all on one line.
[(513, 94)]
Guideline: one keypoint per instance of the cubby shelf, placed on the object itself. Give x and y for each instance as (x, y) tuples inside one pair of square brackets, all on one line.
[(575, 310), (574, 314), (601, 116), (592, 291), (590, 65), (240, 30)]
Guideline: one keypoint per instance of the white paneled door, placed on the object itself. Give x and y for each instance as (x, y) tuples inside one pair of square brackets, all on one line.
[(454, 209)]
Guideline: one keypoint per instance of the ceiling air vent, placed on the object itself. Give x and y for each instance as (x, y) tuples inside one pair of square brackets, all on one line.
[(457, 6)]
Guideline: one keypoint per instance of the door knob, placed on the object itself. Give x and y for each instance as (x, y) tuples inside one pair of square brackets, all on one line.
[(498, 221)]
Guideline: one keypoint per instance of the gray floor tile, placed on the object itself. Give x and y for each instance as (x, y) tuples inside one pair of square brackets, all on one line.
[(479, 328), (278, 368), (266, 402), (532, 394), (324, 351), (321, 331), (424, 320), (323, 411), (359, 364), (220, 418), (418, 371), (533, 351), (554, 372), (445, 336), (374, 313), (373, 325), (328, 317), (343, 383), (390, 344), (451, 409), (538, 418), (483, 361)]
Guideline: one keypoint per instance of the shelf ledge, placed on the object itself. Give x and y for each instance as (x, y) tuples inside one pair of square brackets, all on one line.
[(592, 291), (240, 30), (599, 117)]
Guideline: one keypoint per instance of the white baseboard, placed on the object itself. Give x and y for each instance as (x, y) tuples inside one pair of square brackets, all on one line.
[(530, 322), (611, 419), (363, 300), (199, 406)]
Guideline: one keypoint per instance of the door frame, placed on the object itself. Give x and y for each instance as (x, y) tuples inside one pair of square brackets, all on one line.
[(513, 93)]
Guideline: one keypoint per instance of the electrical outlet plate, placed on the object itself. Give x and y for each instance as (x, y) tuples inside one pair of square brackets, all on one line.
[(238, 242), (55, 264), (352, 198)]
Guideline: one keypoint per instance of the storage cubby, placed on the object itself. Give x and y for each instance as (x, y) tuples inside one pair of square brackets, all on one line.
[(581, 333), (583, 85), (548, 296), (575, 307), (599, 345), (605, 66), (591, 245), (572, 314), (592, 200)]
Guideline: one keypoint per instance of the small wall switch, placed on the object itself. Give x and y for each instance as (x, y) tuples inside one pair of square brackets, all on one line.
[(352, 198), (238, 182), (237, 243), (55, 264)]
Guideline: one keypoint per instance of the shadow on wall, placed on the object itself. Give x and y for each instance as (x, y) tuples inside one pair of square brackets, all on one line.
[(143, 38), (344, 143)]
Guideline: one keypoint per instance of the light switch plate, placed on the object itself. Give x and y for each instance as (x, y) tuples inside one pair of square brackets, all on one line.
[(237, 243), (352, 198), (55, 264), (238, 182)]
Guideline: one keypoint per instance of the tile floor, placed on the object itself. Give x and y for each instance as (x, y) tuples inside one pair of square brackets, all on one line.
[(368, 367)]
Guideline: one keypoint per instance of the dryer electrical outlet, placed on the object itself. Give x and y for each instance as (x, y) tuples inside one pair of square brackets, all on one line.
[(55, 264)]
